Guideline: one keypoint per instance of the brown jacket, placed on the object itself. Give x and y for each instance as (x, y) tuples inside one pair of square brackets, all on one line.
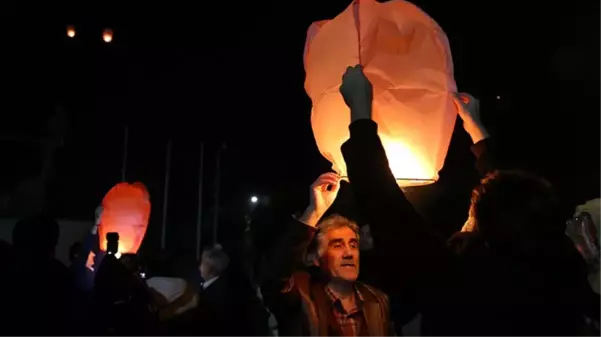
[(304, 309)]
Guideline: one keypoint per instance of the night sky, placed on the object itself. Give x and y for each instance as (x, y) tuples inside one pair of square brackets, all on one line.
[(231, 72)]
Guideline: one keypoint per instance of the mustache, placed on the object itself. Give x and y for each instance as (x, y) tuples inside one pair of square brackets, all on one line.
[(349, 263)]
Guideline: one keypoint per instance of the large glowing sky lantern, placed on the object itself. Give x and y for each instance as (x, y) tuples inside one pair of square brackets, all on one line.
[(126, 209), (407, 58)]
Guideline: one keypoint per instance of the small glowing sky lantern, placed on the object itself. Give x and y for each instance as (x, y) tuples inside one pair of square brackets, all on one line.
[(107, 35), (126, 209), (71, 31), (407, 58)]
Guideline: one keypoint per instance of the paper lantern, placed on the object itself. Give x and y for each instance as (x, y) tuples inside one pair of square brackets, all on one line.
[(107, 35), (126, 209), (71, 31), (407, 58)]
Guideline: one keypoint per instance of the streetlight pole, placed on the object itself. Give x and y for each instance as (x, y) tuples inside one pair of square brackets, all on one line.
[(199, 211), (166, 195), (125, 148), (217, 185)]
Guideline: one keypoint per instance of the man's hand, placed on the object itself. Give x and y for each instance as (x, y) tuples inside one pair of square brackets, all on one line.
[(468, 108), (323, 193), (357, 92)]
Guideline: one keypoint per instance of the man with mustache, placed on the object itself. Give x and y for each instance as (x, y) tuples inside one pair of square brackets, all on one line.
[(329, 301)]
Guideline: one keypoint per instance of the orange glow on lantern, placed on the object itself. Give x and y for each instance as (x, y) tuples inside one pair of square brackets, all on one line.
[(126, 210), (71, 31), (407, 58), (107, 35)]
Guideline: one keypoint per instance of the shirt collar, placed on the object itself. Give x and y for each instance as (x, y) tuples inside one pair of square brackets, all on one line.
[(208, 282), (335, 299)]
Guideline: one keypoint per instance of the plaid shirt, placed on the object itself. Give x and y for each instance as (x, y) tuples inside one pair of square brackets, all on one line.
[(350, 323)]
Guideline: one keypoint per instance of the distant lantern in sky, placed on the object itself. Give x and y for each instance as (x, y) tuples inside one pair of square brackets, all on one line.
[(71, 31), (407, 58), (107, 35), (125, 210), (498, 97)]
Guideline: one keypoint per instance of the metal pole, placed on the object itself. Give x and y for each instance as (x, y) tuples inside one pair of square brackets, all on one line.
[(166, 194), (217, 184), (199, 210), (124, 160)]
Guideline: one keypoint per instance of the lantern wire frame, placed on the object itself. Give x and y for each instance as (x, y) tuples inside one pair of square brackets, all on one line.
[(405, 182)]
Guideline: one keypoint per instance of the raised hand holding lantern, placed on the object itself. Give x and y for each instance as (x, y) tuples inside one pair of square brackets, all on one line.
[(407, 58), (125, 210)]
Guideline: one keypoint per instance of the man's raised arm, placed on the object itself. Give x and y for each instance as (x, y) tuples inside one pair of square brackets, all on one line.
[(400, 234), (278, 287)]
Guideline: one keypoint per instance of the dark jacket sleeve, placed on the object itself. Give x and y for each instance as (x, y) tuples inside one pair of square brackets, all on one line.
[(591, 303), (83, 280), (277, 286), (486, 154), (399, 232)]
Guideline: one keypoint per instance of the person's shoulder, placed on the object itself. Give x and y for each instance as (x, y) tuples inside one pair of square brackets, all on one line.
[(375, 295), (302, 279), (57, 266), (462, 243), (372, 290), (59, 274)]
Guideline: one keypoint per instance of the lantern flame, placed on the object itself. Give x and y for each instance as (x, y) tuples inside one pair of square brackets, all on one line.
[(408, 167)]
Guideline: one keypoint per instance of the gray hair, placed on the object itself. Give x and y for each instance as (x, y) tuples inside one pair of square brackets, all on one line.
[(326, 225), (215, 259)]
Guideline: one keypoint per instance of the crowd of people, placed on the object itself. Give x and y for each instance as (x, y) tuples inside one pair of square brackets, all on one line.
[(511, 270)]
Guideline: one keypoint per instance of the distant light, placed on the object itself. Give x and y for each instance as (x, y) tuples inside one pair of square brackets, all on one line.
[(107, 35), (498, 97), (254, 199), (70, 31)]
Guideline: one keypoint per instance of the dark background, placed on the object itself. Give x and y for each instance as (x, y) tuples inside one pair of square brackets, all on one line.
[(231, 72)]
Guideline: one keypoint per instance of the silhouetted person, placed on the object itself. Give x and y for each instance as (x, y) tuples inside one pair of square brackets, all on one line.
[(122, 300), (38, 297), (82, 273), (216, 301), (514, 273), (402, 310)]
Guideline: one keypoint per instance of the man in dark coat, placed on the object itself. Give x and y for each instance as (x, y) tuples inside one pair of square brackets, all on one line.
[(37, 292)]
